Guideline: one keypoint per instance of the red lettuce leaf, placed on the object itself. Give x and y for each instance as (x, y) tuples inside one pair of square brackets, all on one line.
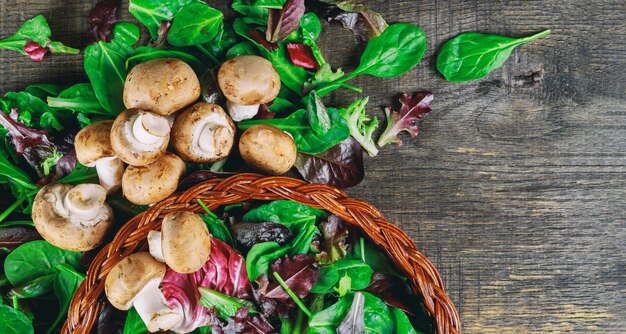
[(21, 135), (393, 291), (13, 236), (352, 14), (412, 108), (102, 17), (299, 273), (243, 322), (225, 272), (341, 166), (301, 55), (258, 37), (264, 111), (35, 51), (283, 22), (334, 246)]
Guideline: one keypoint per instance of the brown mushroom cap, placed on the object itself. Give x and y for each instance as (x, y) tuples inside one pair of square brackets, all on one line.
[(248, 80), (187, 133), (129, 277), (162, 86), (267, 149), (67, 231), (128, 148), (93, 142), (186, 242), (149, 184)]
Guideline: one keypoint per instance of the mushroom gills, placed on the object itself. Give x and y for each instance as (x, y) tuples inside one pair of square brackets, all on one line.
[(149, 128), (240, 112), (153, 309), (110, 171), (210, 137), (155, 245), (83, 202)]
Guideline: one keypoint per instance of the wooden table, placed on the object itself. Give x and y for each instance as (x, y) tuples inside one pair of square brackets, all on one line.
[(516, 186)]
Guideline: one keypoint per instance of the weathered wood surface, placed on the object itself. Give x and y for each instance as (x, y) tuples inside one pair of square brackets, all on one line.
[(516, 186)]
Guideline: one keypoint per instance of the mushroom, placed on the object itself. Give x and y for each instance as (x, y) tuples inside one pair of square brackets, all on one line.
[(247, 82), (162, 86), (203, 133), (149, 184), (139, 137), (184, 243), (134, 281), (71, 217), (93, 149), (268, 149)]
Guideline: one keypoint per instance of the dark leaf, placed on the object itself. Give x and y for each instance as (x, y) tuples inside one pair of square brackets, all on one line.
[(264, 112), (283, 22), (35, 51), (164, 29), (334, 245), (353, 15), (102, 17), (393, 291), (258, 37), (243, 322), (211, 92), (404, 118), (301, 55), (22, 136), (12, 237), (299, 272), (110, 320), (341, 166), (248, 234), (199, 177)]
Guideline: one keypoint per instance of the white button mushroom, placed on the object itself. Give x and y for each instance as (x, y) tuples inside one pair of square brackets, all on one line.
[(93, 149), (162, 86), (139, 137), (247, 82), (134, 281), (149, 184), (71, 217), (268, 149), (203, 133), (184, 243)]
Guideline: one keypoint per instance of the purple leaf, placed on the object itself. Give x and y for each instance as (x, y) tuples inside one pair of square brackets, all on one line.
[(283, 22), (22, 136), (225, 272), (164, 29), (341, 166), (102, 17), (243, 322), (13, 236), (334, 245), (393, 291), (353, 15), (412, 108), (199, 177), (301, 55), (258, 37), (35, 51)]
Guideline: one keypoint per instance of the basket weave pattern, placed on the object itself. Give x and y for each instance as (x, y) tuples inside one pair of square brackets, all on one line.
[(421, 273)]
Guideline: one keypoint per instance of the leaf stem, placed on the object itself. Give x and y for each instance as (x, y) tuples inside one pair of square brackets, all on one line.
[(209, 55), (362, 243), (538, 35), (353, 88), (292, 295), (17, 203), (209, 212), (16, 304)]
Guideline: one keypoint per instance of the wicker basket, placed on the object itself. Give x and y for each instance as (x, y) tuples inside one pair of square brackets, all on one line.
[(422, 275)]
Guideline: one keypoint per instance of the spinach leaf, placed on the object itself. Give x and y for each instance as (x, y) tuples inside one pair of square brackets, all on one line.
[(195, 24), (226, 305), (307, 141), (15, 174), (374, 257), (288, 213), (240, 49), (35, 30), (218, 229), (14, 321), (151, 13), (43, 91), (105, 65), (79, 98), (252, 14), (145, 53), (317, 114), (471, 56), (359, 272), (291, 76), (35, 288), (66, 283), (134, 324), (376, 315), (35, 259), (403, 323), (400, 47)]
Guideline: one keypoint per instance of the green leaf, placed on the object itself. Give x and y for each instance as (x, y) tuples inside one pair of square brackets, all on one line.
[(195, 24), (317, 114), (471, 56), (65, 285), (403, 324), (359, 272), (361, 125), (78, 98), (35, 259), (374, 257), (243, 48), (252, 14), (289, 213), (36, 113), (35, 288), (307, 141), (218, 229), (105, 64), (38, 31), (14, 321), (134, 324), (43, 91), (345, 285), (328, 279), (226, 305), (151, 13), (145, 53), (15, 174)]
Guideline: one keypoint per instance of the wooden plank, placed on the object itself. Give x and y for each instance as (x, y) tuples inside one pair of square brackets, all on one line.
[(515, 187)]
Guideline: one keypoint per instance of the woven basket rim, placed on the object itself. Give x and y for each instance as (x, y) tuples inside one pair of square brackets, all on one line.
[(423, 277)]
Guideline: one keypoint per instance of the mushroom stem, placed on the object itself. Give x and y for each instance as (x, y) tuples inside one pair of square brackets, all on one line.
[(110, 171), (240, 112), (155, 245), (83, 201), (150, 129), (153, 309)]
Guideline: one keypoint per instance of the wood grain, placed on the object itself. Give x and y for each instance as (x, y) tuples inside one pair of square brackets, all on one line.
[(516, 186)]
